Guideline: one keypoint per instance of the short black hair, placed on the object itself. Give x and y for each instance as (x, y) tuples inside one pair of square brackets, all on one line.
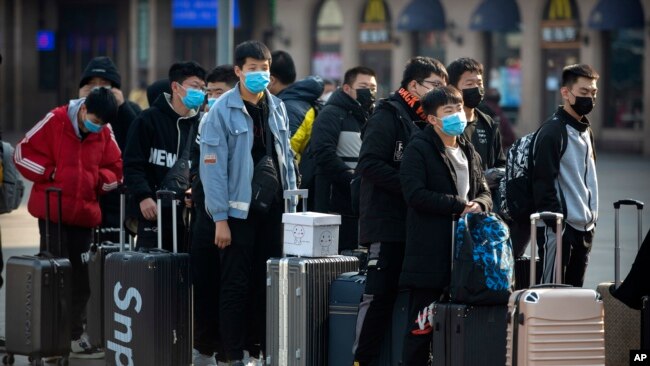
[(438, 97), (101, 102), (253, 49), (328, 81), (420, 67), (460, 66), (223, 73), (571, 73), (351, 75), (180, 71), (283, 67)]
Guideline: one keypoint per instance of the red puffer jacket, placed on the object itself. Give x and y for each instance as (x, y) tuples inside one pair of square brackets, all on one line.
[(83, 169)]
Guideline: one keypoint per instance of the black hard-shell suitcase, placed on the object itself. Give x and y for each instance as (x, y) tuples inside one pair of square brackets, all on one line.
[(468, 334), (297, 302), (345, 295), (38, 300), (96, 258), (148, 303), (393, 345)]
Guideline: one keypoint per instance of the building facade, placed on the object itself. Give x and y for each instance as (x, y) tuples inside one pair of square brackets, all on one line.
[(523, 45)]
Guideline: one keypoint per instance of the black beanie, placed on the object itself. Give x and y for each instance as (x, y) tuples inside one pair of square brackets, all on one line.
[(104, 68), (157, 88)]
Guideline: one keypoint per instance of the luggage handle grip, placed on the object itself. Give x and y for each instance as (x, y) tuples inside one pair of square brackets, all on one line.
[(290, 193), (551, 285), (121, 188), (617, 245), (170, 195), (628, 202), (48, 219), (546, 215)]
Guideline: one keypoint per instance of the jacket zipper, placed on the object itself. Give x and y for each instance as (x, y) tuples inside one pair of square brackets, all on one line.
[(586, 185)]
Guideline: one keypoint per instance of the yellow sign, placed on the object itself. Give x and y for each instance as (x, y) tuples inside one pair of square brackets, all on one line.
[(561, 10), (375, 12)]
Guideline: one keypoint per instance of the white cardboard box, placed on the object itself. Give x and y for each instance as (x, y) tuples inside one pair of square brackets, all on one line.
[(311, 234)]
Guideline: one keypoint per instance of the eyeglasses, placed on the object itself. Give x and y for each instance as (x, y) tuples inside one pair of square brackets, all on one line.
[(434, 84), (194, 86)]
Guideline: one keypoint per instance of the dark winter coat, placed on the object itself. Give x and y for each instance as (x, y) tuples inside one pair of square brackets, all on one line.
[(429, 185), (299, 97)]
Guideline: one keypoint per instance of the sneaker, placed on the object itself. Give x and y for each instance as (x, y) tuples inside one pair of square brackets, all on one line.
[(82, 349), (252, 361), (199, 359)]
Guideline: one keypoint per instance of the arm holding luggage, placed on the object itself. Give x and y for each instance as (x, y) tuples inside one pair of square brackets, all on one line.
[(110, 168), (136, 157), (546, 168)]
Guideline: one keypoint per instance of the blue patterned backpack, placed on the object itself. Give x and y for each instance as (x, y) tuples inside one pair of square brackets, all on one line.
[(483, 265)]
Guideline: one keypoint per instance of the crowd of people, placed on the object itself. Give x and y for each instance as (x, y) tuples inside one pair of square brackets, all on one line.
[(250, 130)]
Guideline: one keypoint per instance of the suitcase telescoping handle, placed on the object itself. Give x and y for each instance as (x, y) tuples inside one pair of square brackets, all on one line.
[(171, 196), (617, 243), (291, 193), (558, 217), (48, 240), (122, 189)]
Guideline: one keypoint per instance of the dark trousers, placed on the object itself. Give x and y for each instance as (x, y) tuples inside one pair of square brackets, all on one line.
[(205, 278), (417, 341), (148, 230), (576, 246), (76, 241), (376, 308), (242, 298)]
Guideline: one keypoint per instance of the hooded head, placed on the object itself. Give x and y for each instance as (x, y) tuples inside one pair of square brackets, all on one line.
[(156, 89), (104, 68)]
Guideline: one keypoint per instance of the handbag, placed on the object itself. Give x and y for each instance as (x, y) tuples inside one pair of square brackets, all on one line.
[(177, 178), (265, 183), (483, 267)]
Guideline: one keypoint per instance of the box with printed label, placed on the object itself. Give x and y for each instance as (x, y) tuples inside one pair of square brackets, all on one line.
[(311, 234)]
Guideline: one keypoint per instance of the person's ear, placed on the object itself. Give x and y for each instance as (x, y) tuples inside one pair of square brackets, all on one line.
[(431, 119), (412, 86), (564, 92)]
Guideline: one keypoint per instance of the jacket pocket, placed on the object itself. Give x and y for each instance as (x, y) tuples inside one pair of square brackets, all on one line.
[(211, 140), (238, 127)]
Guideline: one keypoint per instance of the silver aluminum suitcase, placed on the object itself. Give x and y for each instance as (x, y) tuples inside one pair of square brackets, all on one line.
[(554, 324), (621, 322), (297, 304)]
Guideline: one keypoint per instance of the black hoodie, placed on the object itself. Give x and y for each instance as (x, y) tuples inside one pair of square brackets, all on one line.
[(299, 97), (156, 139)]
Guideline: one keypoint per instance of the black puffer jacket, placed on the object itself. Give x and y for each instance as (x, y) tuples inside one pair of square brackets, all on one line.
[(429, 185), (382, 210), (299, 97), (336, 141), (156, 139)]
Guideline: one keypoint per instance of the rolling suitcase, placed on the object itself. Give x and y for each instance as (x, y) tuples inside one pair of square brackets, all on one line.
[(297, 301), (621, 334), (96, 259), (467, 334), (345, 295), (38, 299), (148, 303), (554, 324)]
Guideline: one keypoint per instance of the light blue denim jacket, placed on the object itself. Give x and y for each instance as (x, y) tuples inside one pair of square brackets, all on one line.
[(226, 164)]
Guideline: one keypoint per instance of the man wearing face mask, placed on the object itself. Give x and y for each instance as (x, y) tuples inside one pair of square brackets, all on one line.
[(336, 142), (247, 128), (564, 176), (382, 210), (441, 176), (73, 148), (466, 75), (156, 140)]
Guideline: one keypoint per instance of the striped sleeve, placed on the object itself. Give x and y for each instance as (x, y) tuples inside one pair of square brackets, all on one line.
[(32, 155)]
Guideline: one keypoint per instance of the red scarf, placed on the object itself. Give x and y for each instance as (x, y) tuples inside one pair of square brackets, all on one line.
[(413, 102)]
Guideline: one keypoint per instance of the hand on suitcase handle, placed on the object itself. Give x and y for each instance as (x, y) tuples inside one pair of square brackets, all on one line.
[(149, 209), (628, 202)]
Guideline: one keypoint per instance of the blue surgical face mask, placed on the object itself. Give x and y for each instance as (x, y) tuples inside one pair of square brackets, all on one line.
[(257, 81), (92, 127), (211, 102), (194, 98), (454, 124)]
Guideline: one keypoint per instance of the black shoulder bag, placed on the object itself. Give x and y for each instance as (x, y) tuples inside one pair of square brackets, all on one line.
[(177, 178), (265, 182)]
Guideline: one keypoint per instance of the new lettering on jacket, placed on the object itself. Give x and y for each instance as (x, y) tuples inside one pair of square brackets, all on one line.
[(122, 350), (162, 158)]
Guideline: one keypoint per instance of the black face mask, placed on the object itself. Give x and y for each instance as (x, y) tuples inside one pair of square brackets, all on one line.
[(583, 105), (366, 98), (472, 97)]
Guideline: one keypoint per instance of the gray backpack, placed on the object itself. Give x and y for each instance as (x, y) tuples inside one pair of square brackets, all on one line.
[(13, 188)]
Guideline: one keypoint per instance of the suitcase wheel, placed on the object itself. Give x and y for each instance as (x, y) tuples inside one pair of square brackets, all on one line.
[(63, 361), (8, 359)]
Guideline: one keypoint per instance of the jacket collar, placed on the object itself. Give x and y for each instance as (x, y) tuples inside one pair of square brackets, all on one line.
[(234, 99), (163, 103), (430, 132), (581, 125), (345, 102)]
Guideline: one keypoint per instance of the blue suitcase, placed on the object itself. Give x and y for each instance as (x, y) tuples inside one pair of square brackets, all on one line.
[(345, 295)]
